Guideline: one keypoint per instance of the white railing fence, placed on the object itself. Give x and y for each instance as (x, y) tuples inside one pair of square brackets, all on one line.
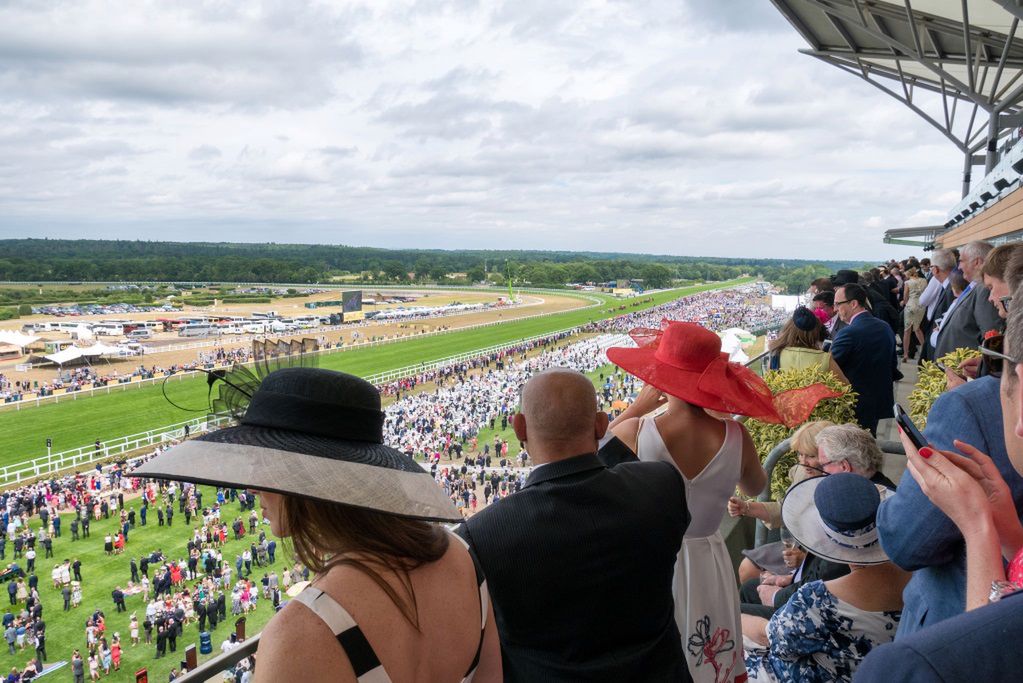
[(11, 475), (73, 395)]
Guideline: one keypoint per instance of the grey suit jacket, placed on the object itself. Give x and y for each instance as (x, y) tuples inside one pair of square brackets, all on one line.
[(967, 322)]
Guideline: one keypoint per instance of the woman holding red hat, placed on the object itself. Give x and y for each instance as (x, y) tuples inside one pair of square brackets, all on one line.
[(684, 368)]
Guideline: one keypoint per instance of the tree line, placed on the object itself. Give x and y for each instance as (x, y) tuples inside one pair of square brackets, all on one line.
[(122, 260)]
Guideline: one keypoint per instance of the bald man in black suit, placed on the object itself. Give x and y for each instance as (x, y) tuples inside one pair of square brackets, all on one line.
[(579, 563)]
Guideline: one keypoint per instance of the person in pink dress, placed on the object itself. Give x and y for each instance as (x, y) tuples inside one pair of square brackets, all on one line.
[(115, 652)]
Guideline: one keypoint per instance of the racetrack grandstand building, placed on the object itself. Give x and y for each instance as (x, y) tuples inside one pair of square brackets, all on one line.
[(958, 64)]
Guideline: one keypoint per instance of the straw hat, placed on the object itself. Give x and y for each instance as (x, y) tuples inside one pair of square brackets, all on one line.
[(312, 433), (835, 517)]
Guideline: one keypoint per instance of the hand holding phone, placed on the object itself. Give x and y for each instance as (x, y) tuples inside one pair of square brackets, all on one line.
[(954, 371), (911, 430)]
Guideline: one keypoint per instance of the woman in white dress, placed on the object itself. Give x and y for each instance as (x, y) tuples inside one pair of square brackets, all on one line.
[(685, 371)]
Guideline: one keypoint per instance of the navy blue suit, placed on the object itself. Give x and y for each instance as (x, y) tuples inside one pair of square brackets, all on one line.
[(865, 350), (918, 536), (980, 645)]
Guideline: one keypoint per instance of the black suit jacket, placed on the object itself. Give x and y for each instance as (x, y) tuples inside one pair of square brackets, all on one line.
[(580, 566)]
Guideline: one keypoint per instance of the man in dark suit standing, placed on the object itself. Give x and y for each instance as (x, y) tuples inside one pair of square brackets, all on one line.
[(972, 314), (865, 350), (937, 296), (580, 562)]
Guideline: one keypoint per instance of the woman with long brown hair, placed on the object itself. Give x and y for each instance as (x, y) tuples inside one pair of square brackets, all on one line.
[(396, 597)]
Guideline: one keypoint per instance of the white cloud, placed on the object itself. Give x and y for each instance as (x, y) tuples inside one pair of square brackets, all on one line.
[(660, 126)]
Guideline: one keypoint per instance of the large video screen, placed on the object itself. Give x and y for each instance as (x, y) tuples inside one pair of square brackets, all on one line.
[(351, 301)]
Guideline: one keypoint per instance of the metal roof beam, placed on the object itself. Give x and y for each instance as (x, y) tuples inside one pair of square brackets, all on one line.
[(966, 43), (933, 37), (1013, 7), (967, 90), (797, 23), (844, 32), (912, 27), (1003, 58), (880, 70), (869, 53), (905, 100)]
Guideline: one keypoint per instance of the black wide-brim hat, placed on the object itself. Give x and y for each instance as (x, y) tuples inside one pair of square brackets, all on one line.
[(315, 434)]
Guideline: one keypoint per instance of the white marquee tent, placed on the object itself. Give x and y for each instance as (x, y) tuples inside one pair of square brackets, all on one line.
[(75, 352), (18, 339)]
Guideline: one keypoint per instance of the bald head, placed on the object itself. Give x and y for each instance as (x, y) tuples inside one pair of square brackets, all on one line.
[(559, 415)]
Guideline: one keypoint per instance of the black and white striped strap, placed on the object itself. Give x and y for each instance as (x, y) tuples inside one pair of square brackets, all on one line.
[(363, 659)]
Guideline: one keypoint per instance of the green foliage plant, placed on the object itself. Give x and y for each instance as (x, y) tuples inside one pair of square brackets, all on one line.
[(766, 436), (931, 383)]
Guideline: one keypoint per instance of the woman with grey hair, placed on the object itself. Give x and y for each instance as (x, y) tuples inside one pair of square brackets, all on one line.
[(849, 448)]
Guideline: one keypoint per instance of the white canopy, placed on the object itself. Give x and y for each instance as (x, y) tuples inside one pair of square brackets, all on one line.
[(19, 339), (74, 352)]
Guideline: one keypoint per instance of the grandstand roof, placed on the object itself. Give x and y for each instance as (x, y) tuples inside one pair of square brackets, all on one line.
[(962, 50)]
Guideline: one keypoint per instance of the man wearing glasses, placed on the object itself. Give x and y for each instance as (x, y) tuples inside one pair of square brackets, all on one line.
[(937, 296), (865, 350), (847, 448), (971, 315)]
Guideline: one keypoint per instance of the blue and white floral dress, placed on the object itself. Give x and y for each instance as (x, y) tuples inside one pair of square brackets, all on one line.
[(817, 637)]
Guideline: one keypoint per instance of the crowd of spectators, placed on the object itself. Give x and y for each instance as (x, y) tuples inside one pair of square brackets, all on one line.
[(746, 307), (861, 560)]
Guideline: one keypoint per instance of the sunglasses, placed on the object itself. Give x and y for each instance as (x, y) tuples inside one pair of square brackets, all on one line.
[(992, 351), (1005, 302), (823, 471)]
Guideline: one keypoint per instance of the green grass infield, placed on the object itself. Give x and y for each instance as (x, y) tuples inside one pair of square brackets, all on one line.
[(101, 573), (74, 423)]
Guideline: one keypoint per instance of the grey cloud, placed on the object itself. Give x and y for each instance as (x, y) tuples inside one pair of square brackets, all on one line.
[(204, 153), (338, 152), (281, 61)]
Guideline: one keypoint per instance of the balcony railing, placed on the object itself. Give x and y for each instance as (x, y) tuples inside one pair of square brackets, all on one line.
[(213, 668)]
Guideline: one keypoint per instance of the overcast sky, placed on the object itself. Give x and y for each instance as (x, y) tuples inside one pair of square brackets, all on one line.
[(684, 127)]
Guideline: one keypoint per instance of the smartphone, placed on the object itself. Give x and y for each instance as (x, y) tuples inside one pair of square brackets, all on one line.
[(911, 430), (945, 368)]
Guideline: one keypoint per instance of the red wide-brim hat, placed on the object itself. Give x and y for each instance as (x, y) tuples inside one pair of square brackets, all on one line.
[(685, 360)]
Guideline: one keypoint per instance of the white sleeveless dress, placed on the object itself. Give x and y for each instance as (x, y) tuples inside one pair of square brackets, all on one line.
[(706, 595)]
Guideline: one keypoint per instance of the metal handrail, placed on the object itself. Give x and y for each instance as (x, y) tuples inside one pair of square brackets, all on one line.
[(213, 667), (776, 454)]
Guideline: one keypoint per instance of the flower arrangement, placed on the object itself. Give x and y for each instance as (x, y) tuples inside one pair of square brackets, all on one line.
[(766, 436), (932, 383)]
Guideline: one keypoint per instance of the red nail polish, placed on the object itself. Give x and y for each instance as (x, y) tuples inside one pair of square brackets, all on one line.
[(926, 452)]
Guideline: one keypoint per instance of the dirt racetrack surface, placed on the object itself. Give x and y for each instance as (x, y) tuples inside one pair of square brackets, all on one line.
[(531, 305)]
